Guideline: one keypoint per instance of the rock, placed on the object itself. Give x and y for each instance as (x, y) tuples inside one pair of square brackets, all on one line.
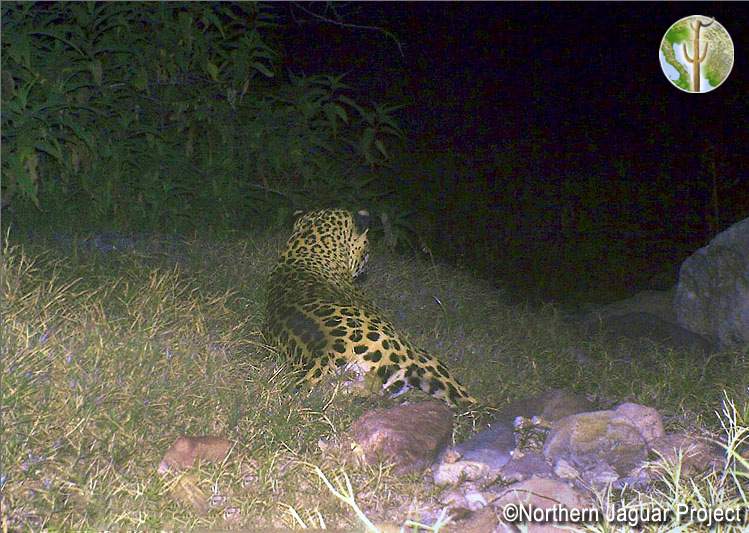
[(467, 497), (544, 494), (477, 459), (586, 439), (475, 500), (558, 403), (640, 478), (697, 454), (409, 436), (232, 515), (712, 296), (565, 470), (524, 467), (640, 325), (488, 454), (600, 475), (491, 446), (460, 471), (551, 405), (453, 498), (646, 419), (482, 521), (530, 434), (186, 450)]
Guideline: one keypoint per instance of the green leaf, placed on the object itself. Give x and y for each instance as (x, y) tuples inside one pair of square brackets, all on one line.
[(52, 148), (96, 69), (212, 70), (184, 21), (216, 22), (60, 38), (140, 80), (83, 135), (367, 139), (262, 69), (349, 102), (381, 148), (23, 94), (340, 112), (28, 187)]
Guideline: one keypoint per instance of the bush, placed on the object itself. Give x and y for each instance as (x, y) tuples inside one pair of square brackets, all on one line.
[(172, 116)]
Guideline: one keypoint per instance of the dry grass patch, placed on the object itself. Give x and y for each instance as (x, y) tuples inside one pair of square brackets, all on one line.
[(108, 358)]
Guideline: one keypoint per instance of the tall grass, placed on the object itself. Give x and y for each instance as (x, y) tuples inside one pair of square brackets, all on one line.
[(109, 357)]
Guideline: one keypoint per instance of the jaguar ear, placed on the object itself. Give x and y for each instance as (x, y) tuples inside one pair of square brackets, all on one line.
[(362, 242), (362, 219), (296, 217)]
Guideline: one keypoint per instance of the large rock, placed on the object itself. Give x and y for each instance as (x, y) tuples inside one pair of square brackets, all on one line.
[(550, 405), (539, 493), (619, 438), (478, 459), (409, 436), (488, 454), (694, 453), (712, 296)]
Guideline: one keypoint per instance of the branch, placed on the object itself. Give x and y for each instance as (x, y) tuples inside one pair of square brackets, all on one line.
[(352, 26)]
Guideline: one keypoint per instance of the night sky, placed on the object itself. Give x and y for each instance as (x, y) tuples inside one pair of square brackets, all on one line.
[(580, 164)]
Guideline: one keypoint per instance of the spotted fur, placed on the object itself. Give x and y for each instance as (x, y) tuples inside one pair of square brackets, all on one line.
[(322, 322)]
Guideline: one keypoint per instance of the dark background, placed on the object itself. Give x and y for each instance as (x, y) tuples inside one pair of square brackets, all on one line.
[(576, 166), (540, 145)]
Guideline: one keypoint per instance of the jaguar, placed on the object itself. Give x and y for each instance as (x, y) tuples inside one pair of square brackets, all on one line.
[(319, 319)]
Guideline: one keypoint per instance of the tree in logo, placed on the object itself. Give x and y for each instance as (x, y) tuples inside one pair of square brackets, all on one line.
[(696, 54), (696, 26)]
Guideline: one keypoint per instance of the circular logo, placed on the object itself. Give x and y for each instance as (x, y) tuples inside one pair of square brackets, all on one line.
[(696, 54)]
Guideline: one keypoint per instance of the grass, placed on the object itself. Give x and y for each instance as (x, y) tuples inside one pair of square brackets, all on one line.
[(108, 357)]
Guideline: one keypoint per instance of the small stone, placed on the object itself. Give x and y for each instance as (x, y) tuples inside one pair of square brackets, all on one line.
[(647, 420), (640, 478), (600, 475), (697, 454), (586, 439), (450, 456), (475, 500), (217, 500), (565, 470), (455, 473), (541, 493), (249, 474), (530, 465), (232, 514), (480, 521), (187, 450), (453, 498)]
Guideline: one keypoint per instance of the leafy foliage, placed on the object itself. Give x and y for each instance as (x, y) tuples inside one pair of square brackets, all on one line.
[(172, 115)]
